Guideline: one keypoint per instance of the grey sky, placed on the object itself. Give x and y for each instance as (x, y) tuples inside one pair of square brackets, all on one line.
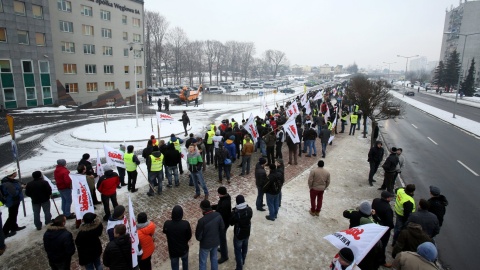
[(317, 32)]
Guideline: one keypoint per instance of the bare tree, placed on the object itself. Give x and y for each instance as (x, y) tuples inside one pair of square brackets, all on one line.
[(212, 51), (156, 27), (275, 58), (178, 39), (247, 50), (167, 58)]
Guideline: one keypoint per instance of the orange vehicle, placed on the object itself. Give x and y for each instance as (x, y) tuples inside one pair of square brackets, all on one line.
[(189, 95)]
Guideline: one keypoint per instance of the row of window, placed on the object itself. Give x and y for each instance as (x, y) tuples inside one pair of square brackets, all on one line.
[(69, 47), (93, 86), (23, 37), (27, 66), (19, 9), (92, 69), (88, 30), (30, 93)]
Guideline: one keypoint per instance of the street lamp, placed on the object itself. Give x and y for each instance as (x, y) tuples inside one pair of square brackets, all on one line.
[(461, 65), (135, 78), (389, 67), (406, 64)]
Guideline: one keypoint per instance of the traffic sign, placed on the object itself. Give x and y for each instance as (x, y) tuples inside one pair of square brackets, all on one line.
[(260, 93), (10, 126)]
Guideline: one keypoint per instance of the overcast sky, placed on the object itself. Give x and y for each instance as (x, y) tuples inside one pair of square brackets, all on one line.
[(317, 32)]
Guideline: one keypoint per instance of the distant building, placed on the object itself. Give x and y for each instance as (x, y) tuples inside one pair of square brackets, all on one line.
[(419, 63)]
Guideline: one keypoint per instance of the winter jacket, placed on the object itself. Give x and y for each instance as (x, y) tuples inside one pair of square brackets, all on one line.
[(260, 175), (147, 151), (194, 161), (208, 230), (358, 218), (410, 238), (247, 149), (58, 243), (427, 220), (318, 179), (88, 242), (88, 166), (412, 261), (375, 154), (108, 183), (62, 178), (270, 139), (185, 119), (148, 161), (391, 162), (280, 136), (111, 223), (145, 236), (437, 207), (12, 191), (274, 183), (384, 212), (224, 207), (222, 154), (118, 253), (39, 190), (240, 218), (310, 134), (171, 157), (232, 150), (324, 134), (178, 233)]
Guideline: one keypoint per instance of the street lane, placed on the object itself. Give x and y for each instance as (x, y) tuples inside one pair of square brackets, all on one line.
[(430, 164)]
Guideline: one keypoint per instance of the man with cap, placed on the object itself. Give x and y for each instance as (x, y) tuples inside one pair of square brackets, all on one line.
[(13, 195), (58, 243), (360, 216), (223, 207), (208, 231), (107, 187), (121, 170), (375, 157), (343, 260), (438, 204), (318, 181), (178, 234), (260, 181), (118, 217), (209, 145), (390, 167), (404, 206), (40, 191), (88, 242), (240, 218), (131, 162), (231, 147), (90, 175), (385, 213), (425, 258), (64, 185), (427, 220)]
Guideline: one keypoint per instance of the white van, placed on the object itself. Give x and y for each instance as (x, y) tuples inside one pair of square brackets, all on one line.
[(216, 90), (269, 85), (255, 85)]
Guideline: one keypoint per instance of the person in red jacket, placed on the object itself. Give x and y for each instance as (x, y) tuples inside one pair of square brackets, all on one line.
[(64, 185), (146, 229), (107, 186)]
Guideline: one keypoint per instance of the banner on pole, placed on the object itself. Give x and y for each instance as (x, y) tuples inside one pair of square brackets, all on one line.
[(251, 128), (164, 117), (293, 110), (133, 232), (52, 186), (318, 96), (114, 156), (99, 169), (81, 197), (291, 128)]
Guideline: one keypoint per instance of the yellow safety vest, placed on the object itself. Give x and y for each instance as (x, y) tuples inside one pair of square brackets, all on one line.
[(264, 125), (130, 166), (329, 125), (402, 197), (210, 136), (212, 126), (356, 108), (233, 124), (353, 118), (177, 145), (156, 163), (344, 118), (315, 112)]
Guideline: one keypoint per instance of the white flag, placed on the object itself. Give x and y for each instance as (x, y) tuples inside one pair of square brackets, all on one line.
[(164, 117), (133, 232), (114, 156), (52, 186), (327, 115), (291, 128), (308, 109), (304, 99), (265, 106), (251, 128), (293, 110), (318, 96), (99, 168), (184, 153), (81, 197)]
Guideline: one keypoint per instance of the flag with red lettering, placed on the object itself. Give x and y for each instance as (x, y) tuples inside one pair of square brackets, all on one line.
[(99, 169), (304, 99), (81, 196), (318, 96), (164, 117), (327, 115), (265, 106), (113, 156), (251, 128), (359, 239), (133, 232), (292, 110), (308, 109), (291, 128)]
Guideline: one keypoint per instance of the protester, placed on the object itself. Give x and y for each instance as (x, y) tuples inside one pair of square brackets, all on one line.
[(116, 218), (194, 161), (159, 104), (427, 220), (410, 238), (145, 229), (58, 243), (240, 218), (117, 254), (88, 242), (385, 213), (318, 181), (91, 175), (438, 204), (131, 163), (404, 206), (280, 138), (147, 151), (247, 151), (40, 191), (324, 137), (343, 260), (171, 159), (107, 187), (224, 163), (425, 258), (390, 167), (272, 189), (64, 185), (121, 170), (223, 207), (353, 123), (375, 157), (217, 140), (185, 121), (260, 181), (270, 139), (360, 216), (292, 150), (208, 231), (13, 195), (155, 171), (209, 145), (178, 234), (177, 144)]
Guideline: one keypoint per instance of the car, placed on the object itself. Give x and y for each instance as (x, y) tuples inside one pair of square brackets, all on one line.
[(409, 93), (154, 92), (393, 109), (476, 94), (216, 90), (287, 91), (230, 88), (251, 93)]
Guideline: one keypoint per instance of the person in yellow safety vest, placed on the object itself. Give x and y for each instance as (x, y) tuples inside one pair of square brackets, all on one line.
[(212, 126), (355, 108), (353, 123), (177, 142), (404, 206), (343, 119), (155, 171), (329, 124), (209, 146), (131, 162), (315, 112), (233, 123), (154, 141)]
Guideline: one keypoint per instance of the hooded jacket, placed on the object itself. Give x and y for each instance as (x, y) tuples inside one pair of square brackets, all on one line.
[(438, 206), (270, 139), (411, 260), (108, 183), (260, 175), (224, 207), (194, 161), (145, 236), (117, 255), (58, 243), (178, 233), (410, 238), (376, 154), (88, 166), (62, 178), (324, 134), (39, 190), (230, 146), (274, 183), (88, 242), (427, 220), (171, 156), (12, 191), (156, 154), (240, 218)]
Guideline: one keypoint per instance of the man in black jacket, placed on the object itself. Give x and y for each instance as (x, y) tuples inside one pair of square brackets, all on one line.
[(260, 181), (118, 253), (58, 243), (178, 234), (385, 213), (208, 231), (185, 121), (223, 207), (171, 159), (89, 171), (40, 191), (375, 157), (324, 137), (240, 218), (438, 204), (390, 167), (272, 190)]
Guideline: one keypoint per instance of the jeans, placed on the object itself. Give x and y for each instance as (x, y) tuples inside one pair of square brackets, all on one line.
[(316, 195), (121, 175), (172, 170), (292, 152), (66, 195), (132, 179), (36, 213), (106, 204), (155, 177), (343, 126), (246, 164), (324, 149), (373, 170), (311, 144), (197, 178), (226, 168), (278, 149), (352, 128), (273, 202), (259, 202), (223, 244), (241, 249), (202, 258), (263, 147), (209, 150), (399, 224), (96, 264), (175, 262)]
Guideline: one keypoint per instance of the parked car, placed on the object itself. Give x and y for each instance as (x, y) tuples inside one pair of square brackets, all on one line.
[(287, 91), (216, 90), (476, 94), (164, 90), (154, 92), (230, 88), (409, 93), (256, 85)]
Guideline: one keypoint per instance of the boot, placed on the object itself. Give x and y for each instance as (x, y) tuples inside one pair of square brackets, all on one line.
[(311, 213), (206, 197), (317, 213)]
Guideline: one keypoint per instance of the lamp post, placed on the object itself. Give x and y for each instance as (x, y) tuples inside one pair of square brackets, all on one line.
[(461, 65), (406, 64), (389, 67), (135, 79)]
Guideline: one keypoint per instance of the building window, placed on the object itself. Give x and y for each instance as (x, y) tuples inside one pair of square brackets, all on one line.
[(3, 34), (37, 12), (124, 19), (1, 6), (64, 5), (19, 8), (127, 85), (125, 36), (126, 68), (91, 69), (106, 33), (9, 94), (87, 11), (44, 67), (5, 66), (125, 52), (109, 86), (107, 50), (136, 38), (108, 69), (23, 37), (92, 87), (137, 53), (88, 49), (68, 47), (66, 26), (136, 22), (87, 30), (46, 91), (27, 66), (71, 87), (40, 39), (138, 70), (139, 84), (70, 68), (105, 15), (31, 93)]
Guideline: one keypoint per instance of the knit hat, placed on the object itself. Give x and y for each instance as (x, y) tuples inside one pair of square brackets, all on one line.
[(346, 254), (118, 211), (240, 199), (394, 149), (262, 161), (205, 205), (62, 162), (107, 167), (365, 208), (222, 190), (435, 191), (142, 217), (86, 156), (386, 194), (232, 137), (89, 218), (428, 251), (37, 174), (122, 147)]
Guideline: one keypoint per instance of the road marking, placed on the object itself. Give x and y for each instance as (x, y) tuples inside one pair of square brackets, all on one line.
[(466, 167), (414, 126), (432, 140)]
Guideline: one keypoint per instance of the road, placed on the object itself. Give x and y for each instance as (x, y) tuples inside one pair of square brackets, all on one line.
[(435, 152)]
